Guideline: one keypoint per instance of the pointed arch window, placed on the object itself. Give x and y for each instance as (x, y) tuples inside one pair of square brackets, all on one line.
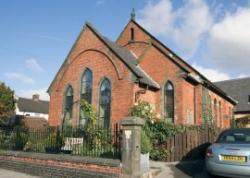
[(132, 34), (85, 92), (220, 115), (105, 103), (215, 112), (169, 101), (86, 85), (68, 106)]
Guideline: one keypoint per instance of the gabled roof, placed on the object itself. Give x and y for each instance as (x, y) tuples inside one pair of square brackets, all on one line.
[(30, 105), (238, 89), (129, 59), (122, 53), (179, 61)]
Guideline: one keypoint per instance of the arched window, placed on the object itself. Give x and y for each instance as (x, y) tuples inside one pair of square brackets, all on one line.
[(85, 92), (86, 85), (105, 103), (132, 34), (220, 115), (68, 106), (231, 114), (169, 101), (215, 112)]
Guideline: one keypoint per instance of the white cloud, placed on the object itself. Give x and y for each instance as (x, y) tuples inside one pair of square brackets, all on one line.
[(222, 33), (212, 74), (19, 77), (215, 75), (28, 93), (33, 65), (157, 18), (229, 41), (185, 26), (242, 76)]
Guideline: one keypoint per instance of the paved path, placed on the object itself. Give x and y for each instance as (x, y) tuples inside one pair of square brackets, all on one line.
[(11, 174), (194, 169)]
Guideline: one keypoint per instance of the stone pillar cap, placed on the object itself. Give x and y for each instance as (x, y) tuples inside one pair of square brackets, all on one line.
[(132, 121)]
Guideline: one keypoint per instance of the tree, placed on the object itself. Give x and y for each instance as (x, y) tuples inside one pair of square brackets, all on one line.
[(7, 104)]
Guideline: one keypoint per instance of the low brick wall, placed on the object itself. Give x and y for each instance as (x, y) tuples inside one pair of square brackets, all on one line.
[(52, 165)]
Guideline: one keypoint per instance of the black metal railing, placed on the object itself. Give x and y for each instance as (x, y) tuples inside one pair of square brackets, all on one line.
[(93, 141)]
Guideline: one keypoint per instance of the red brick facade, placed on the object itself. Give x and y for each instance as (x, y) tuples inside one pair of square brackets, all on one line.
[(157, 61)]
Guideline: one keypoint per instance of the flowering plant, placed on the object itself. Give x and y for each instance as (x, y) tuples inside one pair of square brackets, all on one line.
[(144, 110)]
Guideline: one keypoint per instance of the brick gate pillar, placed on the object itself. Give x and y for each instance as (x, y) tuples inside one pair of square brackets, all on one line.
[(131, 147)]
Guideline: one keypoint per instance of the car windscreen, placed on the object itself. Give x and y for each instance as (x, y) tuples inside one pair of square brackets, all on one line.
[(235, 136)]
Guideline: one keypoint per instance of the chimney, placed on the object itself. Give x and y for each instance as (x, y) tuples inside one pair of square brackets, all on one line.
[(35, 97)]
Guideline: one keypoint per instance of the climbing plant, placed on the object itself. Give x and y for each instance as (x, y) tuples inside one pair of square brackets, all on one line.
[(89, 112), (207, 114)]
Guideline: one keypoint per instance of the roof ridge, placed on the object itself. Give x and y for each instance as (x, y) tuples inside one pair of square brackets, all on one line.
[(234, 79), (152, 80), (33, 100), (124, 54), (179, 60)]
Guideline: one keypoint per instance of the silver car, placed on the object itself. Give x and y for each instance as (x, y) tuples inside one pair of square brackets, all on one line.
[(229, 156)]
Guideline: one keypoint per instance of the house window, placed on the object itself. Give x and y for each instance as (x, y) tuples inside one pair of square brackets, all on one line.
[(105, 103), (169, 101), (132, 34), (86, 92), (220, 115), (86, 86), (68, 106), (231, 113), (215, 112)]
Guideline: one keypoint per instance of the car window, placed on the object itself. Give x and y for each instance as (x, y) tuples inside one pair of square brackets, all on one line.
[(234, 136)]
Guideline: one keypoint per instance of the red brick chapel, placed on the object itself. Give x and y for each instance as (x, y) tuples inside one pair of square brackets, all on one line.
[(113, 76)]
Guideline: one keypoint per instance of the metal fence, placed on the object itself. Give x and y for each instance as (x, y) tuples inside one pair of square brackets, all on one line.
[(94, 141)]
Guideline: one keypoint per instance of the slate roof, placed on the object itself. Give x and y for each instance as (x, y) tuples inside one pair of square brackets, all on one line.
[(186, 67), (30, 105), (130, 60), (239, 89)]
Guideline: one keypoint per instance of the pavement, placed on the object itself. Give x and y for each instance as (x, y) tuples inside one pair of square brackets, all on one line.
[(12, 174), (189, 169)]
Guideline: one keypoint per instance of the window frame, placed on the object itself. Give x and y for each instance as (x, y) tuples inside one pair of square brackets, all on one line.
[(101, 120), (165, 103), (132, 34), (69, 86), (89, 99)]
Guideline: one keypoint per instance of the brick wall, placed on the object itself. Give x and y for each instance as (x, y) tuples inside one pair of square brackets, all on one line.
[(90, 52), (188, 96), (61, 166), (223, 118)]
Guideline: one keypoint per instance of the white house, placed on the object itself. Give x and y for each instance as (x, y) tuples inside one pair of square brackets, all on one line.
[(34, 107)]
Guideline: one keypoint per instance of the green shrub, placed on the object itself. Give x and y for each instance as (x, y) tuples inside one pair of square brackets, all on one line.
[(53, 142), (146, 144), (19, 137), (143, 110), (36, 141), (89, 113), (159, 154), (5, 140), (155, 132)]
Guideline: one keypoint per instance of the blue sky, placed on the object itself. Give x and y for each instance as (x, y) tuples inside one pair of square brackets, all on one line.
[(35, 36)]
